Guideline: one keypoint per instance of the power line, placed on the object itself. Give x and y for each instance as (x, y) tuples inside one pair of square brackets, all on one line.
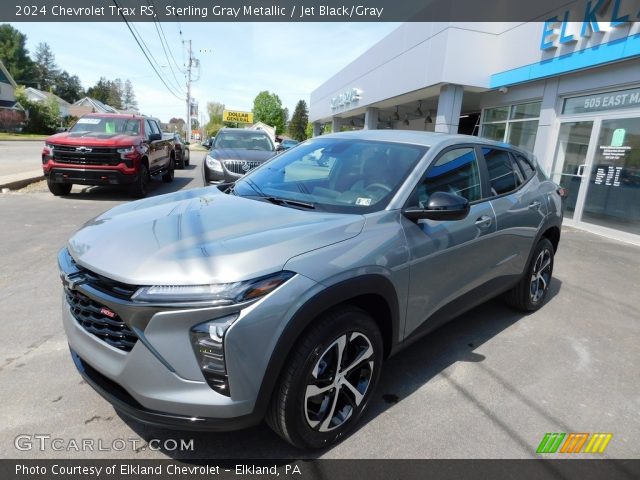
[(176, 86), (145, 53), (163, 42)]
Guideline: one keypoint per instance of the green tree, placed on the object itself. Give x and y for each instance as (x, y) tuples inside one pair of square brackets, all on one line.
[(128, 96), (326, 128), (299, 121), (100, 91), (116, 89), (45, 68), (267, 108), (214, 109), (68, 87), (44, 117), (14, 54)]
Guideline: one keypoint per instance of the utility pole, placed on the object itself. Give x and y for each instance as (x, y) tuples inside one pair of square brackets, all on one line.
[(189, 65)]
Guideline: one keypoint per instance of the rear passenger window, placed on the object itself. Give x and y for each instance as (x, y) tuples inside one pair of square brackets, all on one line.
[(504, 175), (525, 165), (456, 171)]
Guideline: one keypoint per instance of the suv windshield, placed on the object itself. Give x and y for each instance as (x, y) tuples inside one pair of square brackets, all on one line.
[(243, 139), (336, 175), (122, 126)]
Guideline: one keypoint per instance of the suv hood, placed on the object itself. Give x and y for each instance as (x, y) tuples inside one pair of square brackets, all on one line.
[(241, 154), (202, 236), (94, 139)]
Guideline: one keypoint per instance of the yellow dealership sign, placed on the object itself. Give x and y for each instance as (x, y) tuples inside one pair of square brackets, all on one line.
[(234, 116)]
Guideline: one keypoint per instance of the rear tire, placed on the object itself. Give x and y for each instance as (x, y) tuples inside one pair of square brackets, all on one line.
[(529, 294), (185, 159), (59, 189), (138, 189), (168, 177), (328, 380)]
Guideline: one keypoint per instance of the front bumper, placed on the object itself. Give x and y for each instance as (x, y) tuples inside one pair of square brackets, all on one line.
[(83, 176), (159, 380), (212, 177), (127, 405)]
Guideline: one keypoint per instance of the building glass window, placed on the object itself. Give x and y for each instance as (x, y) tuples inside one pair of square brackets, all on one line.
[(515, 124)]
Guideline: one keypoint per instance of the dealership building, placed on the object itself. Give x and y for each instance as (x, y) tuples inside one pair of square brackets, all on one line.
[(566, 88)]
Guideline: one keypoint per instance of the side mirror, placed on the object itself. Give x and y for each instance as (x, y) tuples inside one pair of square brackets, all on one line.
[(280, 148), (441, 206), (154, 136)]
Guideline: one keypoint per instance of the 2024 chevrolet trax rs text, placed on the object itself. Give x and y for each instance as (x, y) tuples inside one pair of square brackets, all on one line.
[(280, 295)]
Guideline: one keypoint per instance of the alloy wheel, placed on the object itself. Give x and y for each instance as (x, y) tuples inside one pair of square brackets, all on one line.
[(540, 276), (339, 381)]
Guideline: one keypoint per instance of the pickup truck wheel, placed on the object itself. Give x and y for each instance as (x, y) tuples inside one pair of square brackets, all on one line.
[(529, 294), (168, 177), (185, 159), (328, 380), (59, 189), (138, 189)]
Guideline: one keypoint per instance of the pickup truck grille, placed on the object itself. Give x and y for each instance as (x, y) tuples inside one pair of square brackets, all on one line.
[(240, 166), (86, 155), (100, 321)]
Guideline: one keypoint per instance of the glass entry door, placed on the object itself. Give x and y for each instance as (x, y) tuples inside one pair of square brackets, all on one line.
[(570, 162), (613, 195)]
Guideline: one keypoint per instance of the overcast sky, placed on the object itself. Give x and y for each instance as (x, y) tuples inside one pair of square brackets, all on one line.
[(237, 60)]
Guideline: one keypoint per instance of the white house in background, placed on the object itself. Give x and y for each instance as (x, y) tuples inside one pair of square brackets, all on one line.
[(7, 90), (271, 131), (36, 95), (91, 105)]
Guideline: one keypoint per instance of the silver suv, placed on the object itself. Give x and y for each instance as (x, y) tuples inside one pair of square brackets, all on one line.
[(279, 296)]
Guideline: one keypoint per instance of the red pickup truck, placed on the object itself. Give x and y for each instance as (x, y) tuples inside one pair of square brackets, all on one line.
[(108, 149)]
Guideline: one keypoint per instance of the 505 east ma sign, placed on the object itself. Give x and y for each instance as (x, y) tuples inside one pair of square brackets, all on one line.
[(556, 32)]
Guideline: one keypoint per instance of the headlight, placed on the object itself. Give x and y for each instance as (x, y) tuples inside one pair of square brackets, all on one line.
[(213, 164), (125, 150), (50, 146), (207, 340), (218, 294)]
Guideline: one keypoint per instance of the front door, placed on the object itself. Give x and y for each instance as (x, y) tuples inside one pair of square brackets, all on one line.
[(448, 258)]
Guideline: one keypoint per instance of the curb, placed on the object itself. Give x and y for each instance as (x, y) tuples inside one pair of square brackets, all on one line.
[(23, 182)]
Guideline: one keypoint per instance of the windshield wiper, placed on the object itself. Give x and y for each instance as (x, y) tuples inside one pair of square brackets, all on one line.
[(290, 202)]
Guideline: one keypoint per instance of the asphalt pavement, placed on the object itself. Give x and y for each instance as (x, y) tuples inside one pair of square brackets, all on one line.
[(20, 162), (490, 384)]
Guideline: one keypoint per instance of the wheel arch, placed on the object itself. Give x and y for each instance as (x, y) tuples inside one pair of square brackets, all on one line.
[(375, 294)]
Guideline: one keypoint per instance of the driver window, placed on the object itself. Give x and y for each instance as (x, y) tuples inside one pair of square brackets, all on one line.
[(456, 171)]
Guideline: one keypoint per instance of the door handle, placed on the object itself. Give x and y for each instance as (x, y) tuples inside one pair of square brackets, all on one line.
[(535, 205), (580, 171), (484, 221)]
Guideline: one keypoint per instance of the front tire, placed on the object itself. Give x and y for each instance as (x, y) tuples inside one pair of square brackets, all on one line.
[(59, 189), (168, 177), (328, 380), (529, 294), (138, 189)]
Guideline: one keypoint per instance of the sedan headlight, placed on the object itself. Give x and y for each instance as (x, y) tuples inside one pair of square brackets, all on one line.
[(213, 164), (217, 294)]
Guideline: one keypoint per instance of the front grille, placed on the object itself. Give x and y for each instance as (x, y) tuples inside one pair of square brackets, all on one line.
[(110, 329), (240, 166), (104, 284), (97, 155)]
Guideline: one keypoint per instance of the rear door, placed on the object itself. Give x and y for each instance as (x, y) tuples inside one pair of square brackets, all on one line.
[(520, 208), (448, 258)]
